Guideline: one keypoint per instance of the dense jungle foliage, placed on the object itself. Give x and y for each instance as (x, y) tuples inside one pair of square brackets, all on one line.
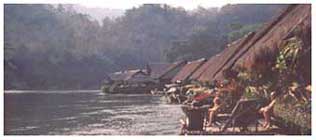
[(54, 47)]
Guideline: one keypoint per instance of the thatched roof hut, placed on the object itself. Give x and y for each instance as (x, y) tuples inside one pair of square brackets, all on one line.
[(185, 73), (156, 70), (165, 72), (204, 67), (244, 52), (131, 76), (293, 21), (215, 63)]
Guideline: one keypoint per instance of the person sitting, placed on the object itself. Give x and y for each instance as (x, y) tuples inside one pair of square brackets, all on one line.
[(308, 91), (214, 110), (267, 111)]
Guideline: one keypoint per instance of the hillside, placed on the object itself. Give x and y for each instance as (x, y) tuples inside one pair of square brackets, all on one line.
[(49, 47)]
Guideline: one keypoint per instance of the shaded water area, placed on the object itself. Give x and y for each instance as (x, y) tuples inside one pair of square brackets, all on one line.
[(78, 113)]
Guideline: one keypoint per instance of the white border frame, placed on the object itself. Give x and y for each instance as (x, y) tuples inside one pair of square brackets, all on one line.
[(217, 137)]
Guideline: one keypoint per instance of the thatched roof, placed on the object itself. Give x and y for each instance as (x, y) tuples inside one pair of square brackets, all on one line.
[(271, 37), (188, 70), (123, 75), (130, 76), (243, 52), (173, 69), (215, 63), (204, 67), (158, 69), (276, 32)]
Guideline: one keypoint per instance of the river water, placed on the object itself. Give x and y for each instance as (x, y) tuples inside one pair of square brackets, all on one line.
[(89, 114)]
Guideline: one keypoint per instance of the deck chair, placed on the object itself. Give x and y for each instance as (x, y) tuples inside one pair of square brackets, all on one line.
[(226, 107), (194, 118), (243, 115)]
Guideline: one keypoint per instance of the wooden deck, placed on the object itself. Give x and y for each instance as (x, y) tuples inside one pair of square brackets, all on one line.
[(274, 130), (214, 130)]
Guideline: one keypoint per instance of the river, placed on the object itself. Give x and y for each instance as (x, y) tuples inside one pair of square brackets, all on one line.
[(88, 113)]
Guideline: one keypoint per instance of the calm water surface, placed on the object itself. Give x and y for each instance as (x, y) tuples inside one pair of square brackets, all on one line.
[(89, 114)]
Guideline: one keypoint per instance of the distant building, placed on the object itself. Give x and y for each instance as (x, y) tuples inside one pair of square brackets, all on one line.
[(131, 76)]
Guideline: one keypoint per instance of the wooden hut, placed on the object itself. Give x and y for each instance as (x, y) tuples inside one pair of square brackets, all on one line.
[(156, 70), (131, 76), (184, 74), (243, 52), (293, 21), (256, 51), (209, 69), (131, 81), (163, 73)]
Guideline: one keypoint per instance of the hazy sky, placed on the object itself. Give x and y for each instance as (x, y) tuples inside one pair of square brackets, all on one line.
[(127, 4)]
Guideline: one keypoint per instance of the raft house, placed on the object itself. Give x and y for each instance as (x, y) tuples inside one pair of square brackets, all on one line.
[(254, 51)]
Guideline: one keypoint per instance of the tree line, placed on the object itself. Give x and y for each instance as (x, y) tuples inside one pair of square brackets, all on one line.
[(55, 47)]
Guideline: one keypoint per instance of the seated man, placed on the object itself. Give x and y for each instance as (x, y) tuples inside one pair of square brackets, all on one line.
[(214, 110), (267, 111)]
